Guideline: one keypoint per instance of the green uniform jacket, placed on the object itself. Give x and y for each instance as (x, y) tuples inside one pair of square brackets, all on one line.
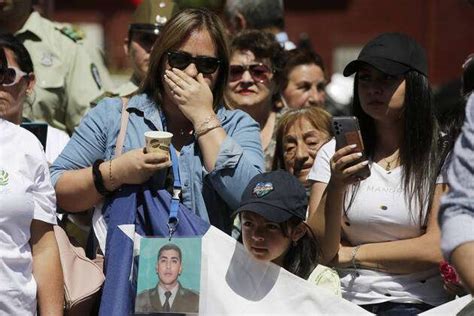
[(67, 79), (126, 89)]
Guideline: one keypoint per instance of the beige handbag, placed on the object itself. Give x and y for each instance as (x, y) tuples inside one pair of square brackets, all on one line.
[(83, 278)]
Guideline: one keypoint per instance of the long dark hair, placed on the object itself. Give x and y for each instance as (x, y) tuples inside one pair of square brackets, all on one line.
[(304, 255), (419, 149)]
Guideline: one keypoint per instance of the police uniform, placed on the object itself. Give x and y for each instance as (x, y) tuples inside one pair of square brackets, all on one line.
[(126, 89), (96, 54), (149, 17), (66, 77)]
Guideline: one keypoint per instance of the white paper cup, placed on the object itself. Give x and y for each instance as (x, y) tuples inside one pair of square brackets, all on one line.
[(158, 141)]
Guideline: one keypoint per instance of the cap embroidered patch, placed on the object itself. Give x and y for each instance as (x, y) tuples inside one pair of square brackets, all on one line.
[(262, 189)]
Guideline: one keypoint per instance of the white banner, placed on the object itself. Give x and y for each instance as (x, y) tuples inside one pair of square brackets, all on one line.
[(233, 283)]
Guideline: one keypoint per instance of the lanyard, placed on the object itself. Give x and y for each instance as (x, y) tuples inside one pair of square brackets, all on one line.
[(173, 220)]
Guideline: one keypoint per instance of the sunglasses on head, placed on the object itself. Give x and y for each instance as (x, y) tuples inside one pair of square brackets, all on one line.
[(11, 76), (259, 72), (204, 64)]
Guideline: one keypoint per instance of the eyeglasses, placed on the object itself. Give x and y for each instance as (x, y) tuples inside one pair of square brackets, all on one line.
[(11, 76), (259, 72), (144, 39), (204, 64)]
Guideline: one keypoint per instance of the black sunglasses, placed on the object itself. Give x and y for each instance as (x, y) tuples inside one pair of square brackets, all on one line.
[(259, 72), (204, 64)]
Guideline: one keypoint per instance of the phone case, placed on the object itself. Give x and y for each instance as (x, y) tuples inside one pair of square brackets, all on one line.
[(347, 132)]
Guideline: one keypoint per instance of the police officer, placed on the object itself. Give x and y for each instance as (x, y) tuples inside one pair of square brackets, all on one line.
[(67, 78), (147, 21)]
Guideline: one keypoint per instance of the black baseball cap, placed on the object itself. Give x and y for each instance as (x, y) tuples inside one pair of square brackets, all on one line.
[(275, 195), (391, 53)]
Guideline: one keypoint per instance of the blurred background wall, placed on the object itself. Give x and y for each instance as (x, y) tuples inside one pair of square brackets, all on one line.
[(335, 28)]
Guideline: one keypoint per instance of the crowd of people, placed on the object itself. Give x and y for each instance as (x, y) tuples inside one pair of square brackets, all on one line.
[(256, 150)]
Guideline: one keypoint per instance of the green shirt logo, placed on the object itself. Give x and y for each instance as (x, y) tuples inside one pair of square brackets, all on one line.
[(3, 178)]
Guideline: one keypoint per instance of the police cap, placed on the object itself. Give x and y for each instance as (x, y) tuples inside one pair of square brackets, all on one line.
[(151, 15)]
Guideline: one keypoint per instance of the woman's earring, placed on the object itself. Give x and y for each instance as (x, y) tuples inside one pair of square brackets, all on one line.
[(295, 243)]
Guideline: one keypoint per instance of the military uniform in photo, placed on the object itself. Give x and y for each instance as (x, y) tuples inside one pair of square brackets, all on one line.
[(186, 301)]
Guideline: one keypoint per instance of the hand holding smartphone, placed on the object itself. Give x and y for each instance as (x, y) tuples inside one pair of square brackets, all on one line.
[(347, 132)]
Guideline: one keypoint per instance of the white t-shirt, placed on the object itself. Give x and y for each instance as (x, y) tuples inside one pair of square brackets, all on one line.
[(380, 213), (56, 140), (26, 193)]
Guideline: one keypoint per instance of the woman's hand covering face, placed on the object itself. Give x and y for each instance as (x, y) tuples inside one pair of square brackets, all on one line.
[(193, 96)]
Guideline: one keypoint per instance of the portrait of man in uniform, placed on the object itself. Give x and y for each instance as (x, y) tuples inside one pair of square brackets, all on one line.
[(168, 296)]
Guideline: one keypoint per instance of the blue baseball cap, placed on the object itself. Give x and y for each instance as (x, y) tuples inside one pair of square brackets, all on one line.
[(275, 195)]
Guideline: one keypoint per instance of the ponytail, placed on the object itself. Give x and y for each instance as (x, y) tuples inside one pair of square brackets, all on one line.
[(303, 255)]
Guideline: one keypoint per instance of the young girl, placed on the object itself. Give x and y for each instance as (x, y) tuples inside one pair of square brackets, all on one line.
[(381, 232), (272, 212)]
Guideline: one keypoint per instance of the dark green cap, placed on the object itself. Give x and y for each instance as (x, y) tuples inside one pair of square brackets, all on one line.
[(151, 15)]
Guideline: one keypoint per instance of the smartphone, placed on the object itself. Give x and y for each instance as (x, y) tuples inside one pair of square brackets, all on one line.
[(347, 132), (40, 130)]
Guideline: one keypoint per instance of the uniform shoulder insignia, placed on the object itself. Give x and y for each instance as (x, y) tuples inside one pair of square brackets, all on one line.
[(106, 94), (96, 75), (72, 32)]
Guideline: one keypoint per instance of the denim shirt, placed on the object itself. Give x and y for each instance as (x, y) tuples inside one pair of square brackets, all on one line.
[(456, 215), (212, 196)]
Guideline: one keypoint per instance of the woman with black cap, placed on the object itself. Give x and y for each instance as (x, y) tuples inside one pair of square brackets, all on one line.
[(381, 232)]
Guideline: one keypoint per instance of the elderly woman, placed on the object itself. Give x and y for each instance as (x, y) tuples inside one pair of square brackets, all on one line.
[(219, 150), (253, 82), (300, 134), (30, 273), (303, 80)]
